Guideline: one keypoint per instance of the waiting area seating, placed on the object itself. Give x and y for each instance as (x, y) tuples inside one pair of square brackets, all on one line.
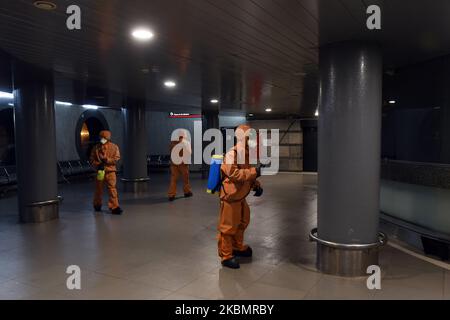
[(158, 162), (8, 178), (66, 170), (74, 169)]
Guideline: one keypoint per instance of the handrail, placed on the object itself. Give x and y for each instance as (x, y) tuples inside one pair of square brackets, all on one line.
[(382, 240), (418, 229), (43, 203)]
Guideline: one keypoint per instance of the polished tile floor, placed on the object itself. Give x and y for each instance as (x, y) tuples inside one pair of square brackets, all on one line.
[(162, 250)]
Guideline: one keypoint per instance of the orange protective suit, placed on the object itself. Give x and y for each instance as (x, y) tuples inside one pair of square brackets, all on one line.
[(177, 170), (108, 155), (238, 181)]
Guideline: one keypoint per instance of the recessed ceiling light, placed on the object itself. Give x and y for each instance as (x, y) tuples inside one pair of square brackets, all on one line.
[(6, 95), (90, 106), (269, 110), (392, 102), (170, 84), (45, 5), (142, 34), (214, 101), (62, 103)]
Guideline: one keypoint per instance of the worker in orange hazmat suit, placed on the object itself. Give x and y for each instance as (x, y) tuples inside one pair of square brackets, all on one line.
[(179, 167), (104, 156), (238, 180)]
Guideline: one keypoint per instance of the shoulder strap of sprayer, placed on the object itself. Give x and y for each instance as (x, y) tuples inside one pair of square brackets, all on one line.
[(222, 178)]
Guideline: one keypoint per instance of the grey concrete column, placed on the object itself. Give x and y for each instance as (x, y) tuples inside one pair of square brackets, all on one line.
[(135, 176), (349, 157), (210, 121), (35, 133)]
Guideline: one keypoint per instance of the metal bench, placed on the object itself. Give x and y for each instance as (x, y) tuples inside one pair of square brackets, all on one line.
[(154, 160), (87, 167), (165, 161), (74, 169), (11, 171), (77, 167), (4, 178), (8, 179)]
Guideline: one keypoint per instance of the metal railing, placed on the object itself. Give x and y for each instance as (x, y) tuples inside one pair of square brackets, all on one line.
[(382, 240)]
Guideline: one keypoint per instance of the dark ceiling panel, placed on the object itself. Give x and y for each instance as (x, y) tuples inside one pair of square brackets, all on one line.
[(412, 30), (287, 19), (250, 53), (254, 47)]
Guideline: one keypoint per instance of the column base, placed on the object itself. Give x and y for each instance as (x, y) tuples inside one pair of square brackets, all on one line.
[(346, 260), (345, 263), (40, 212), (135, 185)]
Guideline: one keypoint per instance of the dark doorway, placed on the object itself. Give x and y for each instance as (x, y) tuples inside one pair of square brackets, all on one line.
[(87, 132), (7, 146), (227, 139), (309, 128)]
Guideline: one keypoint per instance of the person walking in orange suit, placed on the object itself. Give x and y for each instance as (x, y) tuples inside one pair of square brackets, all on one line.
[(238, 180), (181, 150), (104, 156)]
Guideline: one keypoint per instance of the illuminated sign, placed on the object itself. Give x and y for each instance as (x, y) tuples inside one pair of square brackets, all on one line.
[(184, 115)]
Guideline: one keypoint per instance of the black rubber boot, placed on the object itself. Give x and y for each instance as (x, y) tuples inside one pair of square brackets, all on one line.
[(247, 253), (188, 195), (231, 263), (117, 211), (98, 208)]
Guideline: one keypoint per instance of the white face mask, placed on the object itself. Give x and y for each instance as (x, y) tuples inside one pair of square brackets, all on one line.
[(252, 144), (103, 141)]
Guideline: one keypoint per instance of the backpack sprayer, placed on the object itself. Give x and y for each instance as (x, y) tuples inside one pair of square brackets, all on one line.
[(215, 179)]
